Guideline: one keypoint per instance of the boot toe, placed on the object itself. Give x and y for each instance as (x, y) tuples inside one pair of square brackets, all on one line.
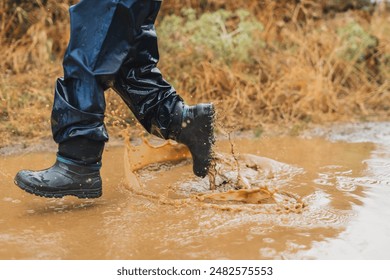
[(201, 167), (27, 178), (22, 177), (24, 180)]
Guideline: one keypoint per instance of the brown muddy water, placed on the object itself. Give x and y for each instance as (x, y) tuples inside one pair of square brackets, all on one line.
[(324, 195)]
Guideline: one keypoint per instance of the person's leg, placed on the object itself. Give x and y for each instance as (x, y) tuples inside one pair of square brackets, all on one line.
[(155, 102), (101, 34), (107, 35)]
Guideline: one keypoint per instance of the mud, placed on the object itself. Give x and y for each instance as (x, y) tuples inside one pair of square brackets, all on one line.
[(234, 183), (321, 196)]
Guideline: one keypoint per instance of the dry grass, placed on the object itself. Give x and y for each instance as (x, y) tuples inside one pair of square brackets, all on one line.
[(298, 76)]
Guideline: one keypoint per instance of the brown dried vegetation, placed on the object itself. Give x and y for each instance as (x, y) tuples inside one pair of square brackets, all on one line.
[(306, 63)]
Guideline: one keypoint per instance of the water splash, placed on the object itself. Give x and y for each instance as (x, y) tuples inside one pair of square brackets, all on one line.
[(243, 182)]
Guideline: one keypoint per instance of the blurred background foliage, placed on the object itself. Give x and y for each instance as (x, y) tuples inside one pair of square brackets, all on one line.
[(261, 62)]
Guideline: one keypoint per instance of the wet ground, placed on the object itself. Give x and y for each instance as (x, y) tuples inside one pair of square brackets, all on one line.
[(339, 175)]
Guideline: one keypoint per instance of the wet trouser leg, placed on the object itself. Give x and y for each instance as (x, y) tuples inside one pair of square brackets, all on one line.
[(155, 102), (140, 84), (102, 34)]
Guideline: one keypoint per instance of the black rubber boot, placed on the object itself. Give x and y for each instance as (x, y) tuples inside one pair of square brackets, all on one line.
[(193, 126), (76, 172), (62, 179)]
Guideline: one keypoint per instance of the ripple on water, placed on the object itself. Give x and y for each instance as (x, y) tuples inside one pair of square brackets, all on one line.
[(250, 191), (346, 184)]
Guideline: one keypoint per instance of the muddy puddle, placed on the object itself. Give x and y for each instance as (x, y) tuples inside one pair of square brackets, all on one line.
[(321, 196)]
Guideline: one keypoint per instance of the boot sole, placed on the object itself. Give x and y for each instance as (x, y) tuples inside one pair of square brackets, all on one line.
[(211, 139), (93, 193)]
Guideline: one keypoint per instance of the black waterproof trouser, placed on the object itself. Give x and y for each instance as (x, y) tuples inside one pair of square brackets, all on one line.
[(113, 43)]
